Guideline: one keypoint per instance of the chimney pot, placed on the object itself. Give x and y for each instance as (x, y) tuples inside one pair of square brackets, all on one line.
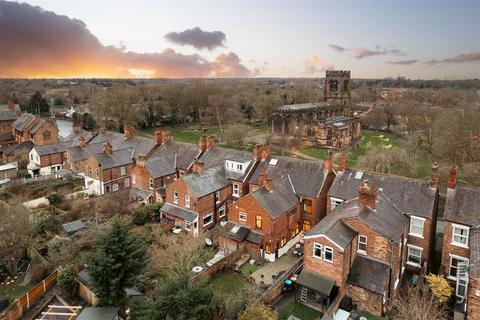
[(128, 131), (452, 179), (266, 151), (342, 163), (141, 160), (329, 163), (165, 136), (435, 175), (198, 167), (202, 143), (158, 136), (210, 142), (107, 148), (257, 152)]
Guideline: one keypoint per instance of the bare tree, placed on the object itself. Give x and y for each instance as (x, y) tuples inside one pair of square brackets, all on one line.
[(413, 303)]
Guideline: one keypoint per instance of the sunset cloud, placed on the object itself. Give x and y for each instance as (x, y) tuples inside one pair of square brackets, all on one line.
[(315, 64), (198, 38), (39, 43), (402, 62), (363, 52), (467, 57)]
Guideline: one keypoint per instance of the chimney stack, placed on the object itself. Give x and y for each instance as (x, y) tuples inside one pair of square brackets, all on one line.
[(198, 167), (210, 141), (141, 160), (82, 142), (266, 151), (76, 127), (328, 163), (128, 131), (452, 178), (257, 152), (165, 136), (435, 175), (11, 105), (158, 137), (264, 181), (107, 148), (202, 143), (342, 163), (367, 194)]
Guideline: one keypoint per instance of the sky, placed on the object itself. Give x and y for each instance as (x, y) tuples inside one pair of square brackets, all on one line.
[(417, 39)]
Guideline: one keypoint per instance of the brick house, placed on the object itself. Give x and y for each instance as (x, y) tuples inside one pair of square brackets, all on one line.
[(196, 201), (311, 181), (269, 218), (152, 174), (461, 248), (357, 250), (17, 153), (109, 171), (32, 128), (416, 199), (7, 118), (46, 159)]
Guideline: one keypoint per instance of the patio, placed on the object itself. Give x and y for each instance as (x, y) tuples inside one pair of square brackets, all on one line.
[(267, 272)]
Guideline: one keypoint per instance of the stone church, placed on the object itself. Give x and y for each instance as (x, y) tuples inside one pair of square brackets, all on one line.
[(329, 124)]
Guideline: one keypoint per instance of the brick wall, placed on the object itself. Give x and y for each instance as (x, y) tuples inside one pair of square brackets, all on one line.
[(426, 242), (473, 308), (448, 248), (365, 300), (51, 138), (52, 159)]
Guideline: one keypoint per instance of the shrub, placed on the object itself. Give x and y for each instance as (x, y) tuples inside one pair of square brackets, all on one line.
[(54, 199), (67, 280), (48, 223), (140, 217)]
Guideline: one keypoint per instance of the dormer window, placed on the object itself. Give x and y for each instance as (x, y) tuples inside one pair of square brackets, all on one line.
[(236, 166)]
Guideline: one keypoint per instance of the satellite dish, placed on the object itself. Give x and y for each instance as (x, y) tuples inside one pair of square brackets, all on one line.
[(208, 241)]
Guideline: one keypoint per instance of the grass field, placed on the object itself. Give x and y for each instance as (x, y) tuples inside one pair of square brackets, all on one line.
[(227, 284), (13, 292), (300, 311), (247, 269)]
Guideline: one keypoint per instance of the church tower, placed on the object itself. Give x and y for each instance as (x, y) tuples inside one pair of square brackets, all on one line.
[(337, 87)]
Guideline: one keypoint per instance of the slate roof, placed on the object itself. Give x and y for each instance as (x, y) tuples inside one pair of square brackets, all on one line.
[(386, 219), (211, 180), (307, 175), (50, 149), (301, 107), (140, 145), (23, 121), (116, 159), (463, 205), (238, 232), (73, 226), (369, 273), (254, 237), (78, 153), (278, 201), (411, 196), (38, 124), (169, 156), (217, 156), (72, 139), (26, 145), (181, 213), (6, 115), (316, 281)]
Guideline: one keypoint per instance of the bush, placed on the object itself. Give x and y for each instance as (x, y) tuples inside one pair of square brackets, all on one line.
[(54, 199), (67, 280), (48, 223), (140, 217)]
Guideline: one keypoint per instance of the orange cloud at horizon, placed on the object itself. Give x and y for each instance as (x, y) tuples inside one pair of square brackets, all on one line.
[(41, 44)]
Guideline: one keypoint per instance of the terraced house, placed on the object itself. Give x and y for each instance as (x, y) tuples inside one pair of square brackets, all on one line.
[(416, 199), (461, 243), (46, 159), (40, 131), (358, 250)]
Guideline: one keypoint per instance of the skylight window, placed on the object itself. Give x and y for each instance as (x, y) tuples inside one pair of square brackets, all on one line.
[(359, 175), (273, 162), (235, 229)]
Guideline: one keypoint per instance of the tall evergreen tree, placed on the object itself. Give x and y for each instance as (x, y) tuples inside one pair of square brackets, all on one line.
[(118, 256), (38, 103)]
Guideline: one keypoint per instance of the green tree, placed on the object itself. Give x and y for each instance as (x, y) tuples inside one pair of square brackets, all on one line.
[(48, 223), (89, 122), (67, 280), (258, 311), (54, 199), (38, 103), (177, 299), (118, 256)]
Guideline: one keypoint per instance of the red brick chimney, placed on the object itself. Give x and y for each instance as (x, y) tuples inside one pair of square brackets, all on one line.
[(435, 175), (342, 163), (264, 181), (128, 131), (257, 152), (82, 142), (197, 167), (367, 194), (158, 137), (210, 142), (266, 151), (11, 105), (452, 178), (328, 163), (202, 143), (107, 148), (76, 127), (165, 136), (141, 160)]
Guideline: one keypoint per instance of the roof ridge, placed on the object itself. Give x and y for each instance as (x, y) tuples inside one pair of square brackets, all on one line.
[(391, 175)]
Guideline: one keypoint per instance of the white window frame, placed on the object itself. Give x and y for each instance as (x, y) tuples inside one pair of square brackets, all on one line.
[(221, 212), (115, 187), (360, 242), (457, 285), (460, 227), (150, 183), (315, 247), (188, 225), (335, 202), (217, 196), (126, 182), (236, 190), (240, 214), (409, 246), (123, 171), (451, 257), (134, 179), (208, 215), (187, 201), (325, 254), (175, 197), (412, 232)]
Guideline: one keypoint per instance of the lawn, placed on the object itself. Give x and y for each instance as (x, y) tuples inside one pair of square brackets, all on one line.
[(227, 284), (13, 292), (247, 269), (370, 316), (300, 311)]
